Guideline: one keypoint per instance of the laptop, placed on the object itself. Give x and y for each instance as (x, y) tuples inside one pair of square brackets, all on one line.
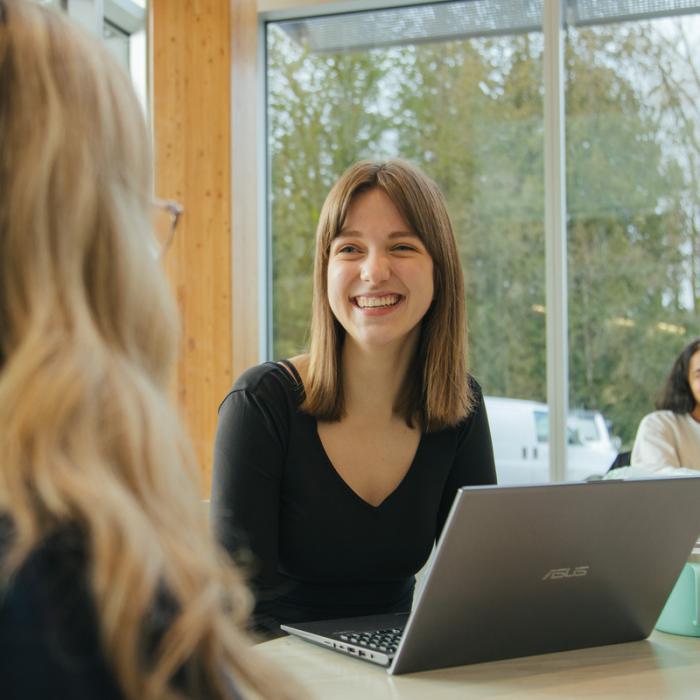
[(524, 570)]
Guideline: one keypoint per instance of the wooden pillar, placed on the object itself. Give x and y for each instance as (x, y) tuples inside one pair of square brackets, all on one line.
[(190, 49)]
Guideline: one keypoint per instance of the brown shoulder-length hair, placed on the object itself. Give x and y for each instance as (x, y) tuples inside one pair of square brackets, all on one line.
[(435, 393)]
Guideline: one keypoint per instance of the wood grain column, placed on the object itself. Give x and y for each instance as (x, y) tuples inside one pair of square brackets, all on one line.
[(190, 49)]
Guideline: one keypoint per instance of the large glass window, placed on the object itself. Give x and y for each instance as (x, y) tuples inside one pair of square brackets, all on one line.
[(633, 149), (468, 110), (457, 87)]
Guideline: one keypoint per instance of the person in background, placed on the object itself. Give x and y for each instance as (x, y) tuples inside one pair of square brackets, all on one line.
[(336, 470), (670, 436), (111, 585)]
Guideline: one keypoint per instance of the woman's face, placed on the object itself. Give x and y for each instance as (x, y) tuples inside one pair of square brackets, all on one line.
[(694, 376), (380, 275)]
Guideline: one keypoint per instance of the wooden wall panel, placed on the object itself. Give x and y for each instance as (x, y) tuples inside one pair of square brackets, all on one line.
[(190, 49)]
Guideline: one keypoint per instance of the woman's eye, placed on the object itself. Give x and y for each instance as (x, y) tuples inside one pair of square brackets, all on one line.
[(404, 248), (348, 249)]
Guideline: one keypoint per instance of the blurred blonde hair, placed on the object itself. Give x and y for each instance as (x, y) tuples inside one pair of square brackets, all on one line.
[(88, 337), (435, 392)]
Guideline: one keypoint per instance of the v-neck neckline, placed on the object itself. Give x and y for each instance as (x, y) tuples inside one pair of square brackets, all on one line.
[(347, 487), (293, 375)]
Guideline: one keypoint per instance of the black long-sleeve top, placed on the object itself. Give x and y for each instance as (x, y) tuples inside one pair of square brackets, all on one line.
[(50, 646), (50, 641), (315, 549)]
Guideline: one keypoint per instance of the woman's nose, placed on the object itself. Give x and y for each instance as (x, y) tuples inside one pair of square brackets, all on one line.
[(376, 268)]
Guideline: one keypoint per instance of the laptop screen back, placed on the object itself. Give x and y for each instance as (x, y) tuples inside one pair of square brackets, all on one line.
[(532, 569)]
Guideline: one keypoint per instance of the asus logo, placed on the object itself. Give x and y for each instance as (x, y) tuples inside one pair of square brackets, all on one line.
[(566, 573)]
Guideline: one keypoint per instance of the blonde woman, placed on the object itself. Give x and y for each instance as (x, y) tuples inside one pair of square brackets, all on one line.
[(110, 584), (335, 471)]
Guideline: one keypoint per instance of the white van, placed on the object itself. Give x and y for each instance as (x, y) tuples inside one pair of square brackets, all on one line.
[(520, 434)]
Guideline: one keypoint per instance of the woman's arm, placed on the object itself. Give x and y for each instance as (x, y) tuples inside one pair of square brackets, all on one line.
[(474, 463), (248, 458)]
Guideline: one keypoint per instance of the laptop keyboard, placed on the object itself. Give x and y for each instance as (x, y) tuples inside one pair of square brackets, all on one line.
[(386, 641)]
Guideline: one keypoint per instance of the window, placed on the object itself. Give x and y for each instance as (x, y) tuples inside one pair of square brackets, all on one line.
[(633, 153), (122, 25), (124, 33), (117, 41), (458, 88)]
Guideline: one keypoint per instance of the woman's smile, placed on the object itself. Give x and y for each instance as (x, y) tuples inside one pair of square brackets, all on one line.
[(377, 304)]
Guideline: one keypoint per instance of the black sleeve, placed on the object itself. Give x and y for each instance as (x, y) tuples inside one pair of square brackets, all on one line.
[(49, 641), (474, 463), (249, 454)]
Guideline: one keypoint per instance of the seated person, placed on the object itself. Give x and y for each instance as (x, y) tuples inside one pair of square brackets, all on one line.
[(111, 586), (670, 436), (336, 470)]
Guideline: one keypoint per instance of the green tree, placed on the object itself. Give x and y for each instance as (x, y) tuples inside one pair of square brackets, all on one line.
[(321, 120)]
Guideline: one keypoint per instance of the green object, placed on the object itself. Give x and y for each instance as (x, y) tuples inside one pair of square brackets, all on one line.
[(681, 612)]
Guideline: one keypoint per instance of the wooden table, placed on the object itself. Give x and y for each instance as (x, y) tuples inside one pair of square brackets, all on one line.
[(665, 666)]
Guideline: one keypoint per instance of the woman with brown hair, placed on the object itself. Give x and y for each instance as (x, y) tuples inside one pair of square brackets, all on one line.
[(334, 471), (111, 585)]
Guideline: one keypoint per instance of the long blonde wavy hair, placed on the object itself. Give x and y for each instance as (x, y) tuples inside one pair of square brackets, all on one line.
[(88, 338)]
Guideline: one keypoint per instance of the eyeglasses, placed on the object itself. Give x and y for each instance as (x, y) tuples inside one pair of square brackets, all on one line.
[(166, 214)]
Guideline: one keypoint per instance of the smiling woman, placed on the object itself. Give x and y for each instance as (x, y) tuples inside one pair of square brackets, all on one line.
[(380, 275), (335, 470), (670, 436)]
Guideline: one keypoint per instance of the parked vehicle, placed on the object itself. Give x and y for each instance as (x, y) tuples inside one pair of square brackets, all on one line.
[(520, 434)]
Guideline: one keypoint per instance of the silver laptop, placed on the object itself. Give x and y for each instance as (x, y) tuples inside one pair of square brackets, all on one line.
[(523, 570)]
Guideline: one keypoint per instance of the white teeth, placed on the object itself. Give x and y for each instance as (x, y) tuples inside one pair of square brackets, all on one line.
[(373, 302)]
